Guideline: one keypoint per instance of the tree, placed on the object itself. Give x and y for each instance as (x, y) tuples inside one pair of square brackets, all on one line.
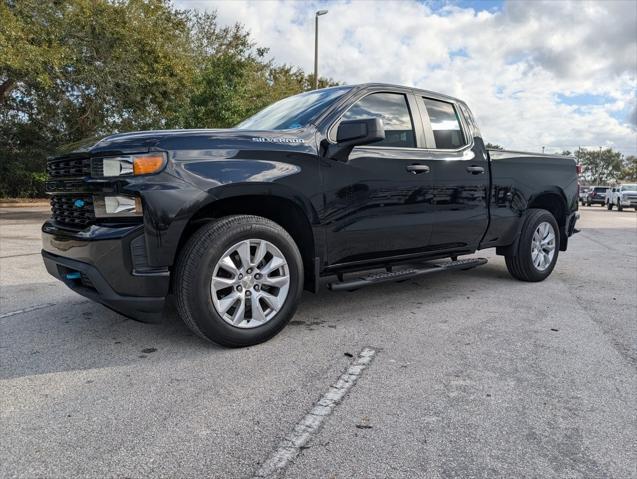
[(600, 166), (492, 146), (30, 46), (629, 169), (232, 87), (234, 79)]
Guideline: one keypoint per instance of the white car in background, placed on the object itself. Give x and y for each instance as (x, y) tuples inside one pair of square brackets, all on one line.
[(623, 196)]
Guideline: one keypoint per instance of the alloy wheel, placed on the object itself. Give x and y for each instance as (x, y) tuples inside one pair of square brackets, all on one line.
[(250, 283), (543, 246)]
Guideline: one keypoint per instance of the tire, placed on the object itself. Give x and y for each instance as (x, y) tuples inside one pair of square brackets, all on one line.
[(201, 258), (588, 204), (619, 206), (609, 206), (521, 263)]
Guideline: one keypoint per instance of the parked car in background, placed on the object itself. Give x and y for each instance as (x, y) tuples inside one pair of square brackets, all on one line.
[(623, 196), (597, 196), (583, 193)]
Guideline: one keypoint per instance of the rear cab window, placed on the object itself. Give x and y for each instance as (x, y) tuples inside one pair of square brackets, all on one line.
[(393, 109), (445, 125)]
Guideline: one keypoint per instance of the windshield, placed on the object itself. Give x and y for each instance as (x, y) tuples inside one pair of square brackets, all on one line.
[(600, 189), (629, 188), (293, 112)]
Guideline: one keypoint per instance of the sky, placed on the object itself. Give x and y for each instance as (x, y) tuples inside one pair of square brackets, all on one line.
[(554, 74)]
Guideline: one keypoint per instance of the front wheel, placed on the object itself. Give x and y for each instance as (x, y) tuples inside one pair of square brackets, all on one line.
[(238, 280), (537, 248), (609, 205), (619, 206)]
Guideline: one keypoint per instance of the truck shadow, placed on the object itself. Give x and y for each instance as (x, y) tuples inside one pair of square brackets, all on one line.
[(78, 334)]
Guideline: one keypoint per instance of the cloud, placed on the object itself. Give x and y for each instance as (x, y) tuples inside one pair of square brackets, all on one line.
[(514, 65)]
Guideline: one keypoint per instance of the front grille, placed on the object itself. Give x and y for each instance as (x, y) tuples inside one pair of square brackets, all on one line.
[(73, 210), (68, 168), (97, 167)]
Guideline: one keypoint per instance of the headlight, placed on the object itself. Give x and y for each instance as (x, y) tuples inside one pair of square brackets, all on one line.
[(128, 165)]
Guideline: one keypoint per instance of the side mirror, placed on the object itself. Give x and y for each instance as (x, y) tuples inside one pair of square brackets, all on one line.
[(353, 133)]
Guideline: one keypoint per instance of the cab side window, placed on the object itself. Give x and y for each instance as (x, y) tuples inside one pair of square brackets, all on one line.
[(392, 108), (445, 124)]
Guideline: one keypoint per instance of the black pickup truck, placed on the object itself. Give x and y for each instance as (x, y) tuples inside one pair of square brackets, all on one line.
[(361, 184)]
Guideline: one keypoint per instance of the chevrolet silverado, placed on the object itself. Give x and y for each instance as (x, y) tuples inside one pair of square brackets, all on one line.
[(359, 185)]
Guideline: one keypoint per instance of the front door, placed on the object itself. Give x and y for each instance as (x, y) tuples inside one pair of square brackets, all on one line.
[(379, 203)]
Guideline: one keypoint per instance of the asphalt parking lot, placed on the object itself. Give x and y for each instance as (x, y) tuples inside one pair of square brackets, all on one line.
[(475, 375)]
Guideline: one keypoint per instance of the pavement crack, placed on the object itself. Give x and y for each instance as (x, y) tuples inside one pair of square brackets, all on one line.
[(19, 255), (26, 310)]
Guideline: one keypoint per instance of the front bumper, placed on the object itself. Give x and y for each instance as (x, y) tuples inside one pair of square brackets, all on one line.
[(108, 268)]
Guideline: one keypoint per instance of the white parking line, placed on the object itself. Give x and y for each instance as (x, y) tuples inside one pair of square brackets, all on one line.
[(26, 310), (292, 444)]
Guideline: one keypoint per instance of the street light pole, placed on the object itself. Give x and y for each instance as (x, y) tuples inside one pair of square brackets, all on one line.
[(316, 15)]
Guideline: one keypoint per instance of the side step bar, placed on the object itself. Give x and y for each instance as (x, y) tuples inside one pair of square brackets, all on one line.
[(404, 274)]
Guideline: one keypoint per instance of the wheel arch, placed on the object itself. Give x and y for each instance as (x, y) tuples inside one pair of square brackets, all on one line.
[(290, 212), (554, 201)]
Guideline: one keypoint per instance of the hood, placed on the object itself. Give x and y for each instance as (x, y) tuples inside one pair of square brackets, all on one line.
[(141, 141)]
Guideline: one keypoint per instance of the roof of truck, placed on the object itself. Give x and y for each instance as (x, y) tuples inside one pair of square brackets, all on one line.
[(404, 87)]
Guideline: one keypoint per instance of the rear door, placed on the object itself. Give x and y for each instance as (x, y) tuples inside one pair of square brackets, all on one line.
[(460, 174)]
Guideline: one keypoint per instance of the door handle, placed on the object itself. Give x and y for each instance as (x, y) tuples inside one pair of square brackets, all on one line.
[(417, 169), (475, 170)]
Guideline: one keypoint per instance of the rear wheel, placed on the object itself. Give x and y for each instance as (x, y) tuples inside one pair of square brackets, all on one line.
[(537, 248), (238, 280), (609, 205), (619, 206)]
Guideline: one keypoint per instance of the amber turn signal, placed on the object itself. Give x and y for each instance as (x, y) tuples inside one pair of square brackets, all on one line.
[(145, 164)]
